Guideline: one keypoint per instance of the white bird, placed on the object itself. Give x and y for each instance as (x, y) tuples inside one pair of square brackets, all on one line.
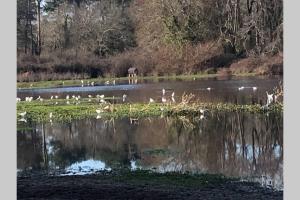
[(22, 114), (56, 103), (163, 99), (124, 97), (98, 117), (173, 94), (270, 98), (68, 102), (38, 98), (41, 99), (67, 97), (18, 99), (163, 91), (202, 110), (151, 100), (102, 101), (106, 82), (63, 83), (254, 88), (22, 120), (56, 97), (98, 111), (102, 96), (31, 85), (208, 88), (194, 78), (82, 82), (241, 88), (202, 117), (78, 97), (92, 83), (51, 97), (114, 82), (50, 115), (90, 96), (173, 99), (88, 83)]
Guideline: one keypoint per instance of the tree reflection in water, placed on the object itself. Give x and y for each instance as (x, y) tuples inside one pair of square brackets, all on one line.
[(234, 144)]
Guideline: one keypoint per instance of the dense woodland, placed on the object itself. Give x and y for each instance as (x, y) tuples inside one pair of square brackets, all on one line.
[(67, 39)]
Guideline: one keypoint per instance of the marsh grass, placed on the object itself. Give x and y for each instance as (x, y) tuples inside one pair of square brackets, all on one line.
[(39, 111)]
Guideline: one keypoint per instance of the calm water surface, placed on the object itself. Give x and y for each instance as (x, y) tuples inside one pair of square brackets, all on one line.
[(234, 144), (223, 90)]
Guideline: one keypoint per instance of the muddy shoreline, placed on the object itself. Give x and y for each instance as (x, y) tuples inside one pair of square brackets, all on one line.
[(139, 186)]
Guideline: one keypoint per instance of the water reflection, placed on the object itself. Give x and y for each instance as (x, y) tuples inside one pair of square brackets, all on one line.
[(234, 144)]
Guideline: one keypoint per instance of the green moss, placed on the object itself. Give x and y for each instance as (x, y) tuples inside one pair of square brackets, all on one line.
[(39, 111)]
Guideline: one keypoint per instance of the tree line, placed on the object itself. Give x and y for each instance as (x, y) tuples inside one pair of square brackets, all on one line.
[(107, 28)]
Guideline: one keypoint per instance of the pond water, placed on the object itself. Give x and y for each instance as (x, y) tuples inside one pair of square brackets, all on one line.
[(222, 90), (243, 145)]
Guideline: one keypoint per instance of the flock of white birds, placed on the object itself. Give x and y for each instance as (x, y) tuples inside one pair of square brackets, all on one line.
[(101, 99)]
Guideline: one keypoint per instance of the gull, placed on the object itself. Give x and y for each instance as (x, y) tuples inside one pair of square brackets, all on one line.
[(67, 97), (208, 88), (50, 115), (254, 88), (23, 120), (78, 96), (38, 98), (106, 82), (92, 83), (90, 96), (163, 99), (51, 97), (114, 82), (101, 96), (124, 97), (22, 114), (68, 102), (241, 88), (202, 110), (73, 96), (163, 91), (102, 101), (56, 97), (151, 100)]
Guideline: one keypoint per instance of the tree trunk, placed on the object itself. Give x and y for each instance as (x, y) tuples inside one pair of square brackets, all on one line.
[(39, 27)]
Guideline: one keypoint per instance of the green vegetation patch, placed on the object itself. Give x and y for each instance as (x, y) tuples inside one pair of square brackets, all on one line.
[(40, 111)]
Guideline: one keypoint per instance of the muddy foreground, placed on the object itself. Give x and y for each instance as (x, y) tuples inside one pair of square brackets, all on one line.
[(139, 186)]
